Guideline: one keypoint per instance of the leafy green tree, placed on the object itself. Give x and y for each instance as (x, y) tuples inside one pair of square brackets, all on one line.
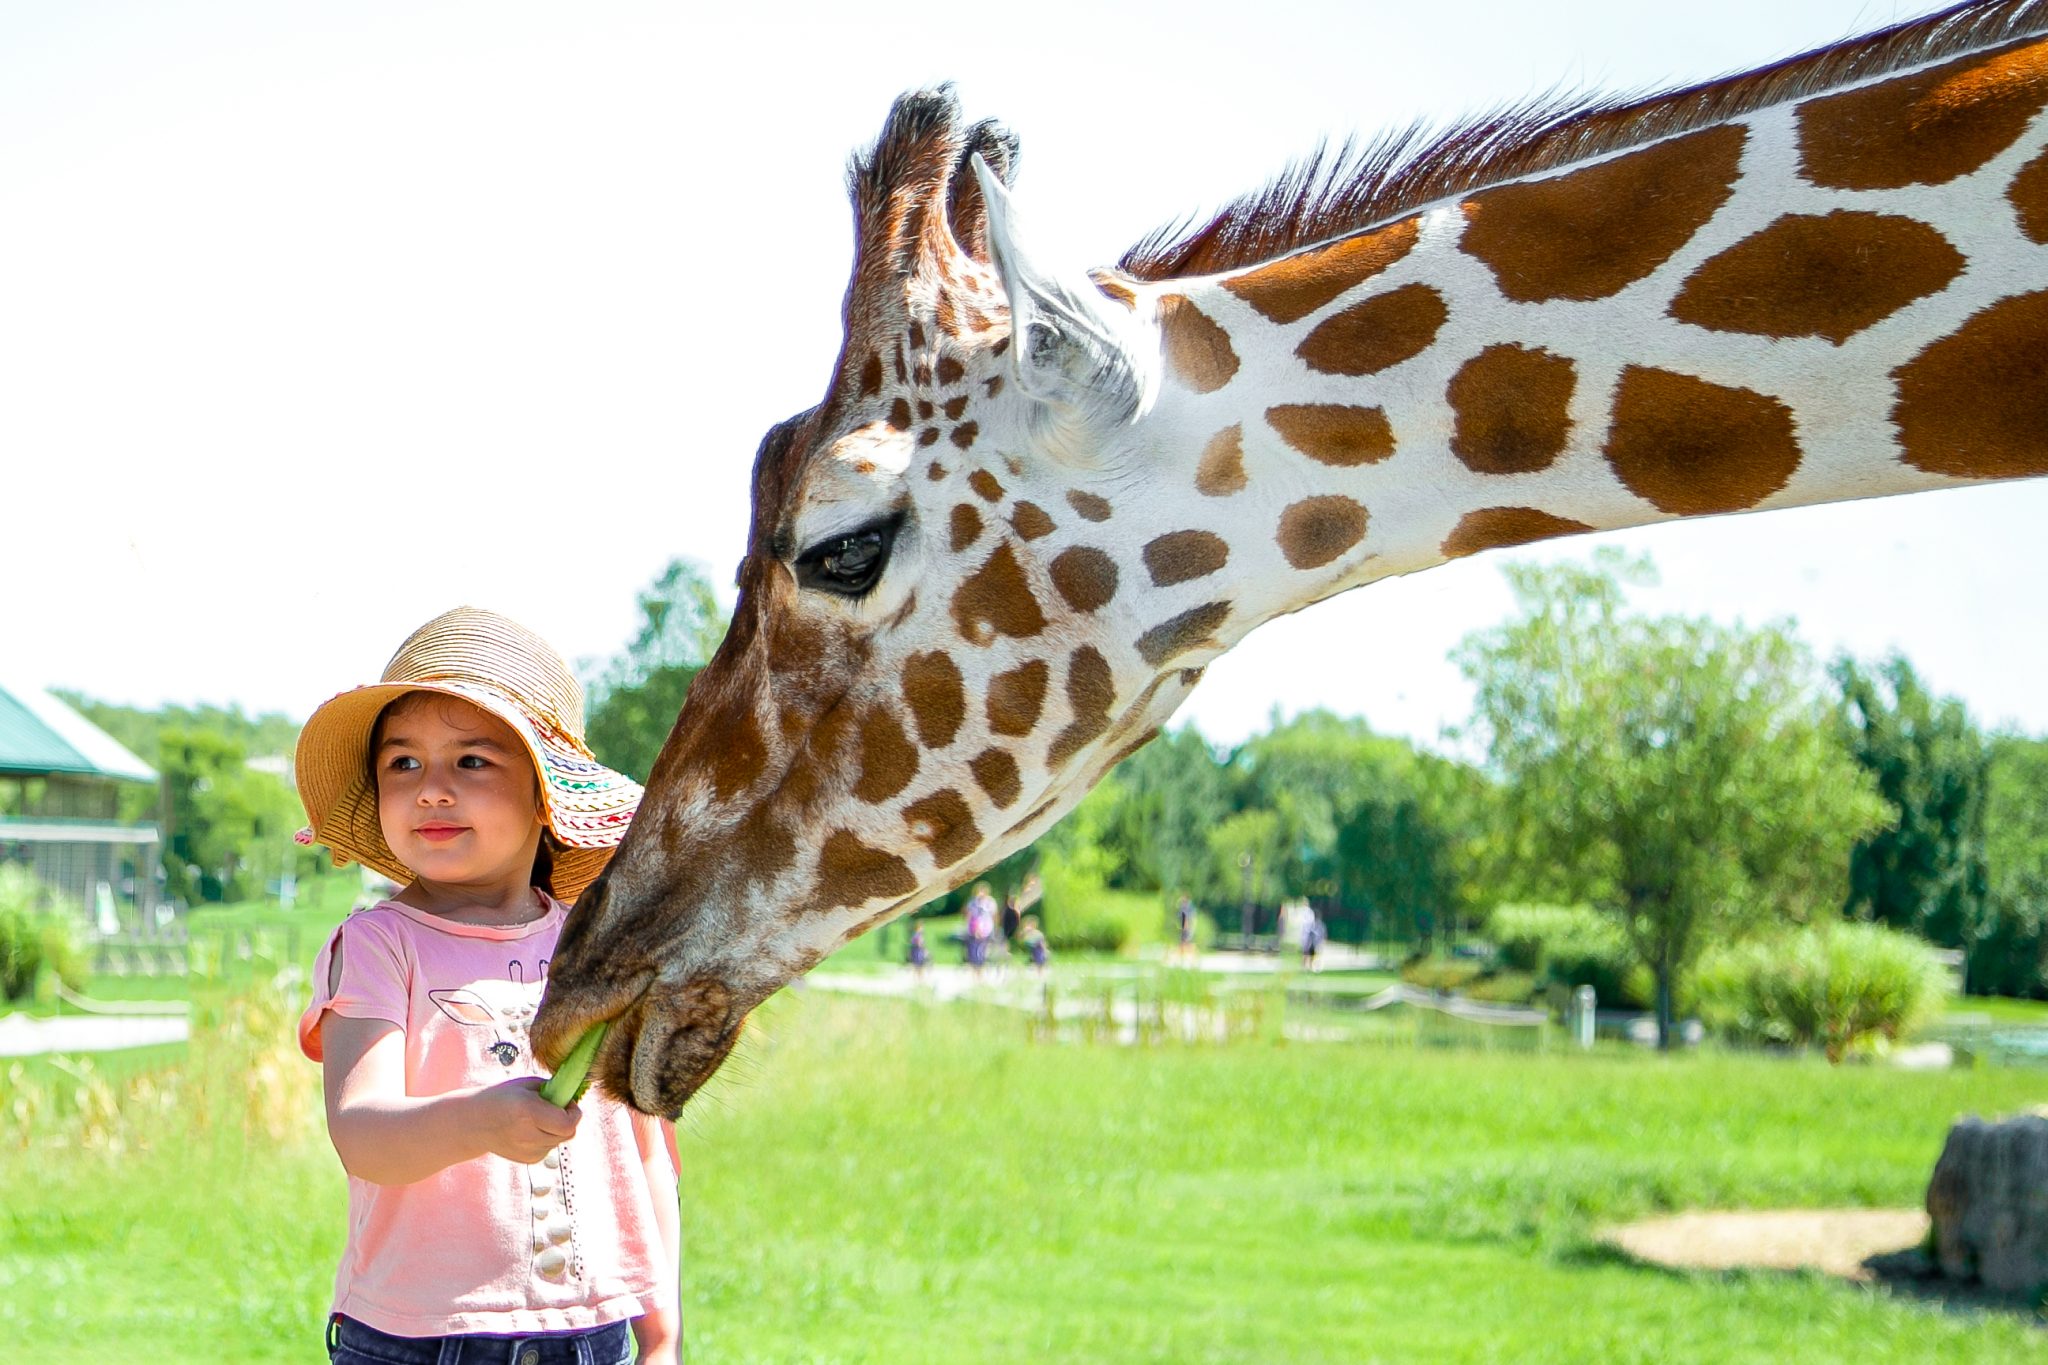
[(1245, 850), (227, 827), (1926, 873), (1171, 794), (2011, 956), (1683, 776), (635, 699)]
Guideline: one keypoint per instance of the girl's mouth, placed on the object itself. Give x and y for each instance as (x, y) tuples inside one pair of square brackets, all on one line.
[(438, 834)]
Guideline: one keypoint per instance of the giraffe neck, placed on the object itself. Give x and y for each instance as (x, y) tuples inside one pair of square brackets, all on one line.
[(1835, 296)]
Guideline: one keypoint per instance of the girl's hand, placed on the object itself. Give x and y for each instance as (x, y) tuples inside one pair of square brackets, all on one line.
[(513, 1121)]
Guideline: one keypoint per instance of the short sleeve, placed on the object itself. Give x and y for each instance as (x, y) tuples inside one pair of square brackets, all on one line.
[(375, 979)]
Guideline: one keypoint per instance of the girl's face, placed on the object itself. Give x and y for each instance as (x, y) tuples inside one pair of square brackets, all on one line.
[(456, 793)]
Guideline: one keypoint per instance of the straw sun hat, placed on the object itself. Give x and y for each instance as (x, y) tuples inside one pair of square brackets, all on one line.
[(504, 668)]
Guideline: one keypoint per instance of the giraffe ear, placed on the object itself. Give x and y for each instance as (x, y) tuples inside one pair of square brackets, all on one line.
[(1069, 349)]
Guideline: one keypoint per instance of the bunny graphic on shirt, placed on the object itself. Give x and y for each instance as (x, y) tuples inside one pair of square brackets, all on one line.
[(503, 1008)]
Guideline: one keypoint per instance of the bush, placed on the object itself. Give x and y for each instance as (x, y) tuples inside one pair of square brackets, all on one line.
[(1094, 936), (1835, 986), (1570, 946), (1442, 973), (1504, 988), (36, 935)]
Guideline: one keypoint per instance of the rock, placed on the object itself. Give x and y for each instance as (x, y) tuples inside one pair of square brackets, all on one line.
[(1989, 1202)]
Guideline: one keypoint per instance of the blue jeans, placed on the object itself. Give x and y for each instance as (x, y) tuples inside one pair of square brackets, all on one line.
[(351, 1343)]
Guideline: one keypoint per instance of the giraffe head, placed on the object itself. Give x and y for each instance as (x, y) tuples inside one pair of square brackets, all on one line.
[(935, 649)]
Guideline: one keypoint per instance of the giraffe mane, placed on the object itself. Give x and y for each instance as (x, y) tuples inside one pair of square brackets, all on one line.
[(1324, 196)]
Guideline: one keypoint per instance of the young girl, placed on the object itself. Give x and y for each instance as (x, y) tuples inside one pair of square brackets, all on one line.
[(484, 1223)]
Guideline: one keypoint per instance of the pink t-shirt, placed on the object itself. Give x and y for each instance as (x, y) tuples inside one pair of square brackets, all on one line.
[(489, 1245)]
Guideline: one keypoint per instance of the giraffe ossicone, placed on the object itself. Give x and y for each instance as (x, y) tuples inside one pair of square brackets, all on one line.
[(1030, 507)]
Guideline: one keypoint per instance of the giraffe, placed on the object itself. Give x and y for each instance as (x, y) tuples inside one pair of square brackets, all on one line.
[(1031, 508)]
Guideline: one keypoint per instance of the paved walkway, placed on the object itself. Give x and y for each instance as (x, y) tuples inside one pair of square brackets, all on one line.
[(23, 1036)]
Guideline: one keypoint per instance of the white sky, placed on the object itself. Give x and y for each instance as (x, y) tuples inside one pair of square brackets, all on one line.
[(316, 319)]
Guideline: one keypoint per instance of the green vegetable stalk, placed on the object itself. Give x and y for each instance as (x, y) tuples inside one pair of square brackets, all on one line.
[(567, 1085)]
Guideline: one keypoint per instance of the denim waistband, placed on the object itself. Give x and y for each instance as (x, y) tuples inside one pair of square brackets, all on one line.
[(353, 1343)]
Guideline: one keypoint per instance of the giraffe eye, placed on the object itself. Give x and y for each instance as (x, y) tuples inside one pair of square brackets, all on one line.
[(848, 564)]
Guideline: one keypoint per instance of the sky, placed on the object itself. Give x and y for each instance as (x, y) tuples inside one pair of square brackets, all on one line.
[(317, 319)]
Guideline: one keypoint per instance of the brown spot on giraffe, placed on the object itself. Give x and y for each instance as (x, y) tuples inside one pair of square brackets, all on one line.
[(925, 409), (1333, 434), (1511, 409), (954, 407), (738, 761), (1692, 448), (1974, 405), (871, 375), (888, 760), (1017, 697), (916, 335), (944, 823), (1220, 471), (1114, 287), (964, 434), (1829, 275), (1316, 530), (1180, 556), (1590, 233), (1492, 527), (928, 437), (949, 371), (996, 600), (1029, 520), (851, 873), (1194, 628), (1091, 507), (935, 471), (1926, 128), (937, 697), (1091, 691), (2029, 196), (994, 385), (1377, 333), (965, 527), (1198, 352), (996, 772), (985, 485), (899, 414), (1085, 577), (763, 848), (1140, 742), (1294, 286)]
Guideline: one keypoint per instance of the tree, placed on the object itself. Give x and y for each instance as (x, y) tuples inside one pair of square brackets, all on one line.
[(227, 827), (635, 700), (1681, 775), (1925, 873), (2011, 955), (1172, 793)]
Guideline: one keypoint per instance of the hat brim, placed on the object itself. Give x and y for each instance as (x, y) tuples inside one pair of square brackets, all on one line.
[(586, 805)]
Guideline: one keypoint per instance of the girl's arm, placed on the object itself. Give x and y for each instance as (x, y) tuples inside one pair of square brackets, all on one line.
[(387, 1137), (659, 1333)]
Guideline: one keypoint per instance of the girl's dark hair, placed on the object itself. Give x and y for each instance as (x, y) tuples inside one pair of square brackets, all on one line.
[(544, 861)]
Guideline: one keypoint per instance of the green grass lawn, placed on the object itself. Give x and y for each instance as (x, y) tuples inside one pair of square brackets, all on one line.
[(887, 1181)]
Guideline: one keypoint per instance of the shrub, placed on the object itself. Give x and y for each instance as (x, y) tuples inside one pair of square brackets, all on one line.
[(35, 936), (1504, 988), (1092, 936), (1442, 973), (1835, 986), (1570, 946)]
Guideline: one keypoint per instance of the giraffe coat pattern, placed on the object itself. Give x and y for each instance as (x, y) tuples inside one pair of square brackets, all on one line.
[(1030, 509)]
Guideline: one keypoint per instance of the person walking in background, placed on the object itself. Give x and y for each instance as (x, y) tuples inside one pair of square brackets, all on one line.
[(1311, 938), (1034, 941), (1184, 919), (981, 926), (463, 776), (919, 955)]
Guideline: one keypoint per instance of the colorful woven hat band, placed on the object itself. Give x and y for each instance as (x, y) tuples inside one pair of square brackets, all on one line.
[(502, 668)]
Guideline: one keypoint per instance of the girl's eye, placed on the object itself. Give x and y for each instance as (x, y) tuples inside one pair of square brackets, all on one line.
[(404, 763), (471, 761)]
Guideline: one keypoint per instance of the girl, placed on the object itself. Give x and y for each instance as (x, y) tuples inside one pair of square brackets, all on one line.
[(484, 1223)]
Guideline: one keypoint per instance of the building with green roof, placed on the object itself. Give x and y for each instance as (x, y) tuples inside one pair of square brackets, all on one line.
[(61, 783)]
